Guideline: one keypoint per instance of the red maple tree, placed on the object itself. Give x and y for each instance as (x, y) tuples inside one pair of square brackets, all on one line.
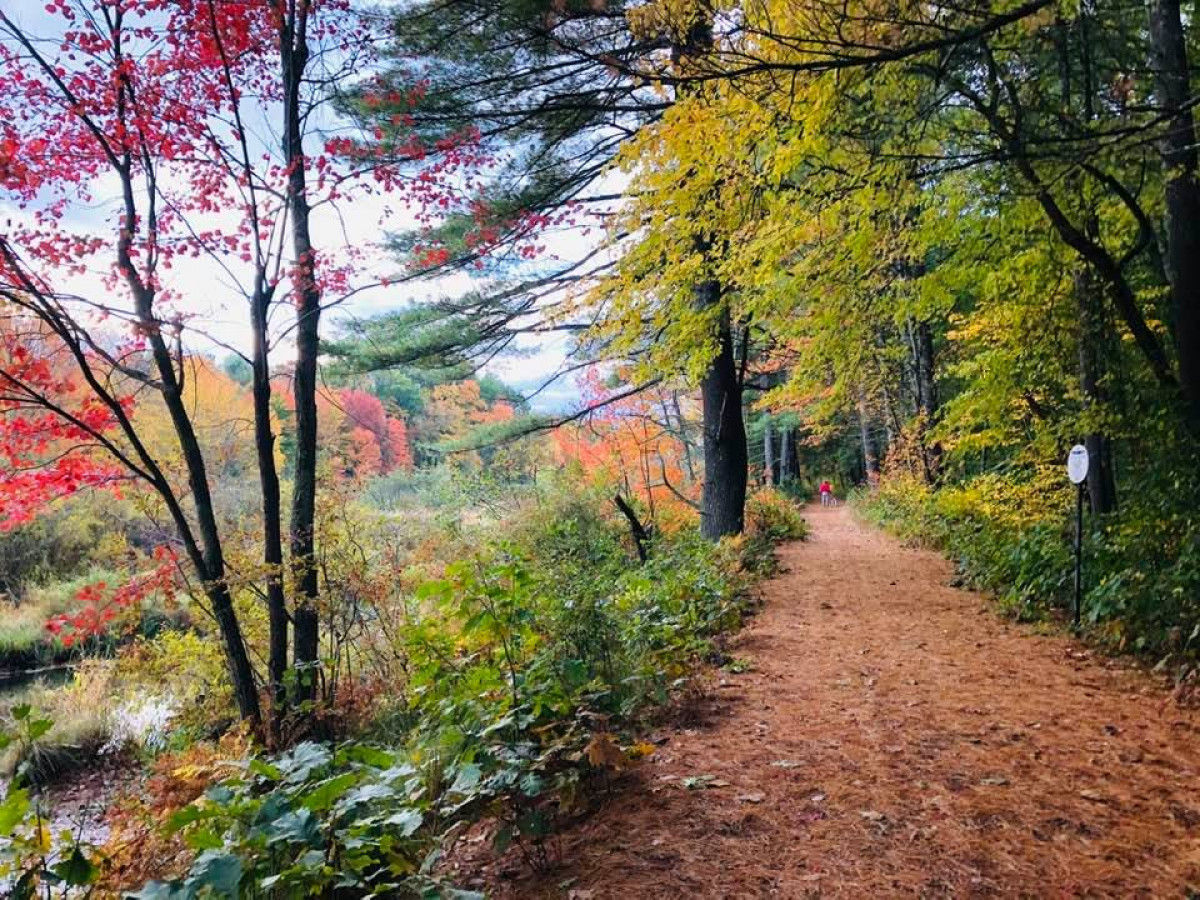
[(172, 107)]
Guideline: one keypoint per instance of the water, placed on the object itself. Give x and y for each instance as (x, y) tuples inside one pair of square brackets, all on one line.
[(17, 686)]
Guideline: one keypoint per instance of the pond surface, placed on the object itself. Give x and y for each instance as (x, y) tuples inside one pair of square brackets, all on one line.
[(16, 686)]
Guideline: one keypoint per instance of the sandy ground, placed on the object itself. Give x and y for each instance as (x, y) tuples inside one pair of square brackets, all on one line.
[(892, 737)]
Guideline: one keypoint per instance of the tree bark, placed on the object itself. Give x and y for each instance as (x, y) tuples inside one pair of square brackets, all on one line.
[(726, 460), (1101, 486), (927, 399), (768, 452), (1179, 158), (293, 45), (723, 504), (641, 535), (209, 560), (870, 460), (268, 474), (785, 455)]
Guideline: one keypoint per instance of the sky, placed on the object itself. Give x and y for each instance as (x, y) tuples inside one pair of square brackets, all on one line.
[(209, 295)]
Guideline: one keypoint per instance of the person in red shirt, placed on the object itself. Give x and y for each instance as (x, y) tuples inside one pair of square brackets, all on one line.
[(826, 491)]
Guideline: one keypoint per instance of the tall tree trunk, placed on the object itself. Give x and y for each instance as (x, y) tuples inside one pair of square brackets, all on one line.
[(264, 443), (927, 400), (726, 460), (1102, 491), (1089, 297), (723, 504), (785, 455), (870, 460), (294, 59), (1179, 157), (768, 452), (209, 559)]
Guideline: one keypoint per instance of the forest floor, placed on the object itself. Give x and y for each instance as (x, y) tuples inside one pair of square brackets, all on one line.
[(892, 736)]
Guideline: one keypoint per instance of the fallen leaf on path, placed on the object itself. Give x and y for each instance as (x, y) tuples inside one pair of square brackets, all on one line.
[(641, 750), (787, 764), (872, 815), (994, 779), (603, 753), (752, 798), (1094, 796)]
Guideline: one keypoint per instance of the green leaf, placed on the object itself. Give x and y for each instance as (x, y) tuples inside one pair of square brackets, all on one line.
[(503, 839), (532, 785), (467, 779), (533, 824), (406, 822), (25, 886), (220, 872), (327, 792), (157, 890), (181, 818), (299, 826), (204, 839), (13, 810), (266, 770), (371, 756), (302, 761), (38, 727), (21, 711), (76, 869)]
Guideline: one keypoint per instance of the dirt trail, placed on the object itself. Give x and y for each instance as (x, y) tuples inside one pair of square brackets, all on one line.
[(892, 737)]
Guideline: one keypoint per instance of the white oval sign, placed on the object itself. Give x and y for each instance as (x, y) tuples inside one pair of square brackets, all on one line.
[(1077, 464)]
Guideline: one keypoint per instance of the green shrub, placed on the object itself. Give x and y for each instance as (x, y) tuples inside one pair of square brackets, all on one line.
[(772, 513), (1013, 536), (528, 663)]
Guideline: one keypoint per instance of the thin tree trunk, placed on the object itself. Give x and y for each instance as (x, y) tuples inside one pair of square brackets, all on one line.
[(785, 455), (1102, 492), (209, 556), (927, 400), (768, 452), (211, 564), (293, 59), (1179, 157), (870, 460), (264, 443), (1088, 291), (683, 437)]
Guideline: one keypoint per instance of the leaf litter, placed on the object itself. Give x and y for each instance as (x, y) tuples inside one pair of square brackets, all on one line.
[(972, 764)]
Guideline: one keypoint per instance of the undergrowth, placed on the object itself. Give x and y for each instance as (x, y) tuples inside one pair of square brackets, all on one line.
[(1014, 538), (527, 670)]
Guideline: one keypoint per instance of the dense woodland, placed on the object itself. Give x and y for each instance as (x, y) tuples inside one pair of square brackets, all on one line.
[(333, 591)]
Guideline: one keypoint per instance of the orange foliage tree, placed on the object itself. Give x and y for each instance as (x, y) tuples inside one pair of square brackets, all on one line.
[(641, 442)]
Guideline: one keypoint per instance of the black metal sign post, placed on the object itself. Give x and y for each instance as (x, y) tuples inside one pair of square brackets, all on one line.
[(1077, 471), (1078, 552)]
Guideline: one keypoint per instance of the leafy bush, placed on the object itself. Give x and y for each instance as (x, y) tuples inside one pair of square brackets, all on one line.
[(187, 667), (61, 545), (1014, 537), (772, 513), (527, 665)]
